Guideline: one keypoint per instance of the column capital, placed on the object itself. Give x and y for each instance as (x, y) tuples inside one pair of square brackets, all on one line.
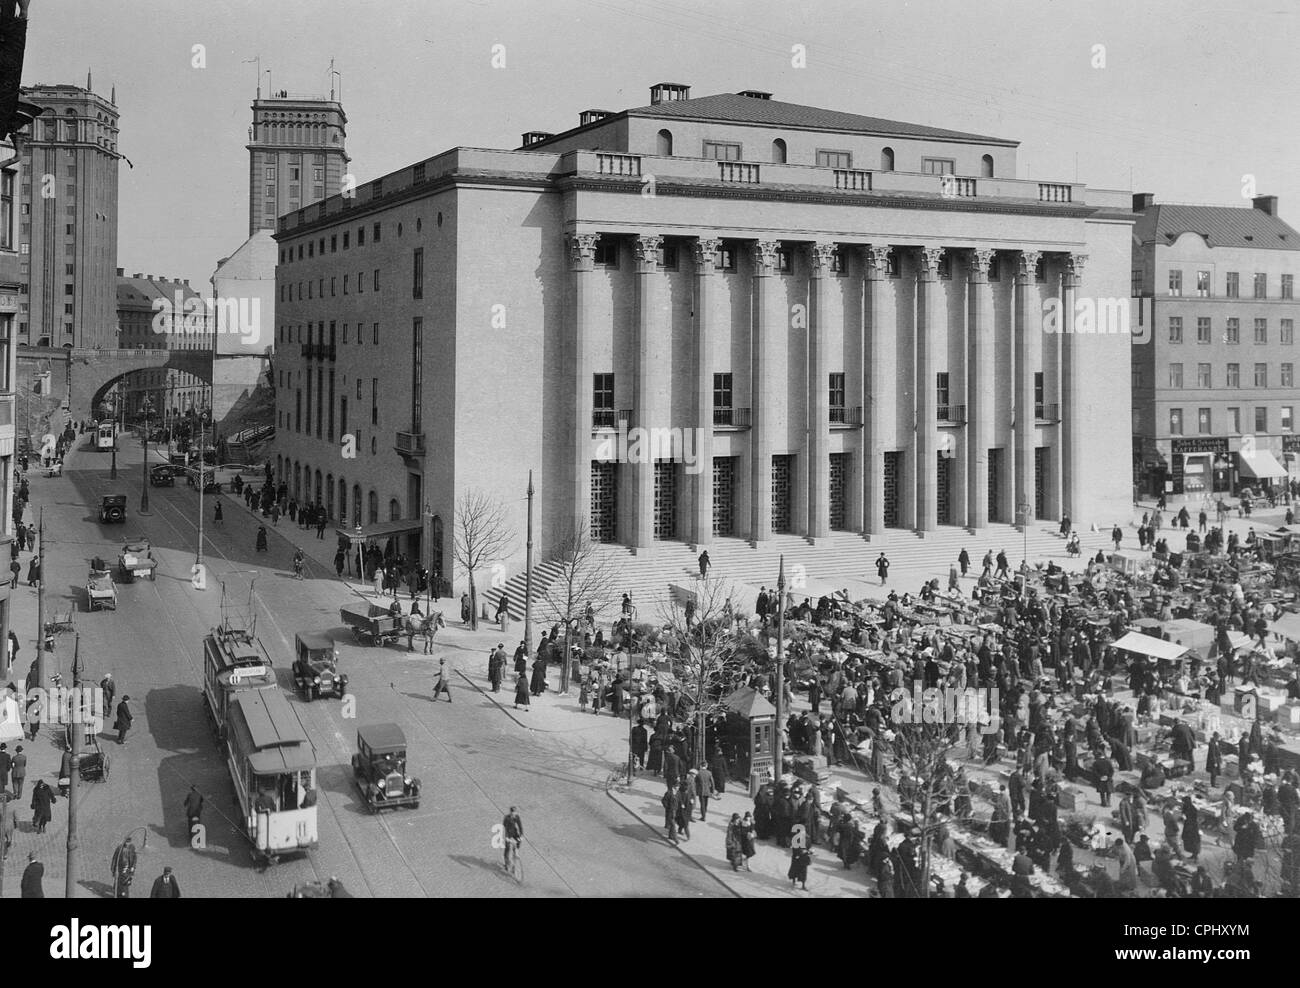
[(930, 258), (877, 258), (705, 249), (1028, 262), (765, 259), (646, 248), (822, 253), (981, 258), (582, 249), (1074, 264)]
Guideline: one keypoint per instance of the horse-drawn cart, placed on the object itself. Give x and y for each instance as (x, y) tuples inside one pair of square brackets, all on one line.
[(101, 592), (374, 626), (137, 560)]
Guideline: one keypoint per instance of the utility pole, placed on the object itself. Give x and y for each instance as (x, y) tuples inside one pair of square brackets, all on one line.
[(40, 599), (778, 754), (74, 772), (528, 588), (112, 470), (198, 558), (144, 470)]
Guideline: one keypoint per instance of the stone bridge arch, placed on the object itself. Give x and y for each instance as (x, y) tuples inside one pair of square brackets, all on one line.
[(91, 373)]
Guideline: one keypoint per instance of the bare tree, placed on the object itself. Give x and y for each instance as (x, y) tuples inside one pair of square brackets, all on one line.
[(708, 652), (481, 534), (587, 577)]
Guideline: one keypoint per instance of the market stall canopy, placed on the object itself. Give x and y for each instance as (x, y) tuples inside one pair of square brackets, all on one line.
[(1288, 626), (749, 703), (1261, 465), (1155, 647)]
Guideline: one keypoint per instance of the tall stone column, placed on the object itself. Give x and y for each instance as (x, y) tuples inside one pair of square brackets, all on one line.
[(819, 399), (979, 405), (645, 396), (880, 377), (582, 255), (763, 391), (1029, 360), (1071, 427), (706, 280), (927, 413)]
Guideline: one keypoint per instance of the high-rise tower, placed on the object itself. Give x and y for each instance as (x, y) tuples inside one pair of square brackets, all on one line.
[(69, 224), (296, 155)]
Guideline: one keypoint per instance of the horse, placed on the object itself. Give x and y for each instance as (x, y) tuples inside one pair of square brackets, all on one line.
[(429, 629)]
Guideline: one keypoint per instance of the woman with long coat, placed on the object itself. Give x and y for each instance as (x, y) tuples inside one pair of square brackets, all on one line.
[(747, 838), (798, 870), (43, 799), (539, 674), (521, 692), (598, 693), (1191, 829), (734, 845), (655, 759)]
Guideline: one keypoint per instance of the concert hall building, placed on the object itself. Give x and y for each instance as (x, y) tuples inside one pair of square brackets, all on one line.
[(707, 318)]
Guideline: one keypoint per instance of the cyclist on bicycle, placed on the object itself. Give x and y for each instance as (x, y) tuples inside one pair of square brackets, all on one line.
[(297, 564), (513, 826)]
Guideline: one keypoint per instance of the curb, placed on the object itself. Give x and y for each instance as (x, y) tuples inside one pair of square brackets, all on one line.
[(508, 710), (617, 797)]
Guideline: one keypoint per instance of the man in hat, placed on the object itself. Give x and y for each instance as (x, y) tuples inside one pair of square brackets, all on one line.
[(703, 784), (443, 684), (124, 719), (165, 887), (124, 868), (109, 689), (32, 887), (497, 664)]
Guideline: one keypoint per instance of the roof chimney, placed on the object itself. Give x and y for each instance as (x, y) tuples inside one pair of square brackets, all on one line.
[(591, 116), (666, 92), (532, 137), (1142, 201), (754, 94), (1265, 204)]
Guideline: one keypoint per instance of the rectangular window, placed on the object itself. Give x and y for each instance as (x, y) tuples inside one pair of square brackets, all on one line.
[(1286, 332), (318, 174), (668, 256), (270, 173), (606, 254), (1203, 283), (346, 235), (995, 270), (1040, 397), (345, 332), (1203, 376), (1175, 421), (374, 401), (602, 395), (333, 285), (1175, 282), (1261, 284), (1234, 421), (334, 243), (329, 428), (837, 396), (417, 274), (1261, 420), (374, 281), (376, 341), (1175, 329), (1286, 418), (361, 283), (837, 261), (270, 190), (297, 411), (1203, 421), (784, 261), (892, 269), (1288, 286), (1233, 333), (721, 152), (834, 159), (938, 166), (375, 232), (1288, 375), (1202, 329), (7, 210), (417, 375), (724, 259), (723, 413), (1261, 375), (1135, 284), (1233, 288), (945, 266), (345, 283), (343, 416), (1261, 330), (1175, 375), (361, 236)]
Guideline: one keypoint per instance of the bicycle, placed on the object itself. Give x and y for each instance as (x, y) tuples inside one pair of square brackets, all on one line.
[(514, 860)]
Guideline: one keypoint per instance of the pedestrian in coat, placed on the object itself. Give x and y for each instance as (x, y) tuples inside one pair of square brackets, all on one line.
[(123, 722), (503, 613), (669, 802), (32, 887), (672, 767), (640, 744), (1105, 770), (882, 568), (521, 692), (443, 684), (43, 799), (1191, 830), (34, 571), (108, 688), (6, 760), (798, 870), (18, 771), (704, 564), (464, 608), (496, 667), (685, 807), (734, 844), (963, 560), (1127, 818), (538, 685), (702, 780), (165, 887), (216, 512)]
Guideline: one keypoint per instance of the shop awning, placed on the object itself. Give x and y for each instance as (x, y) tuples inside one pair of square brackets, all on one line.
[(1146, 645), (1261, 465), (381, 529)]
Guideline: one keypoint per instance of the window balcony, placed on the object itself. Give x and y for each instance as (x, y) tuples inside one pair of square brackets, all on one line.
[(410, 443), (1047, 413), (951, 414), (846, 418), (603, 418), (308, 351), (326, 351), (731, 418)]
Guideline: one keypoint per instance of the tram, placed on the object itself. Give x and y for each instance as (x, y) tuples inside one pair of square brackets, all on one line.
[(273, 767), (105, 436), (234, 662)]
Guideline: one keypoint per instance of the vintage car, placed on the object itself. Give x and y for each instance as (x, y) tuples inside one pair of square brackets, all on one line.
[(136, 560), (112, 508), (379, 767), (316, 667), (162, 476)]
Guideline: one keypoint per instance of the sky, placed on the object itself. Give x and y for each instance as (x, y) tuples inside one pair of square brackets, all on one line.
[(1192, 100)]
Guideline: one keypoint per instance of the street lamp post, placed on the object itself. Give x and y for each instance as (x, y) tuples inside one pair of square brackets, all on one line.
[(74, 773), (778, 754), (145, 407), (528, 589), (112, 469)]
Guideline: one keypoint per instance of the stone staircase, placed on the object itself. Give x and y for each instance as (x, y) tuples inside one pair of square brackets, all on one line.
[(844, 560)]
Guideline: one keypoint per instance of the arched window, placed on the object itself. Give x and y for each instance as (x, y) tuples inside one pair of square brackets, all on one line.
[(356, 505), (372, 506), (665, 149), (343, 501), (329, 495), (394, 510), (986, 166), (778, 152), (887, 160), (316, 499)]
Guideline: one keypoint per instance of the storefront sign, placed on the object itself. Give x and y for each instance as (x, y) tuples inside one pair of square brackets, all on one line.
[(1202, 445), (1291, 444)]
